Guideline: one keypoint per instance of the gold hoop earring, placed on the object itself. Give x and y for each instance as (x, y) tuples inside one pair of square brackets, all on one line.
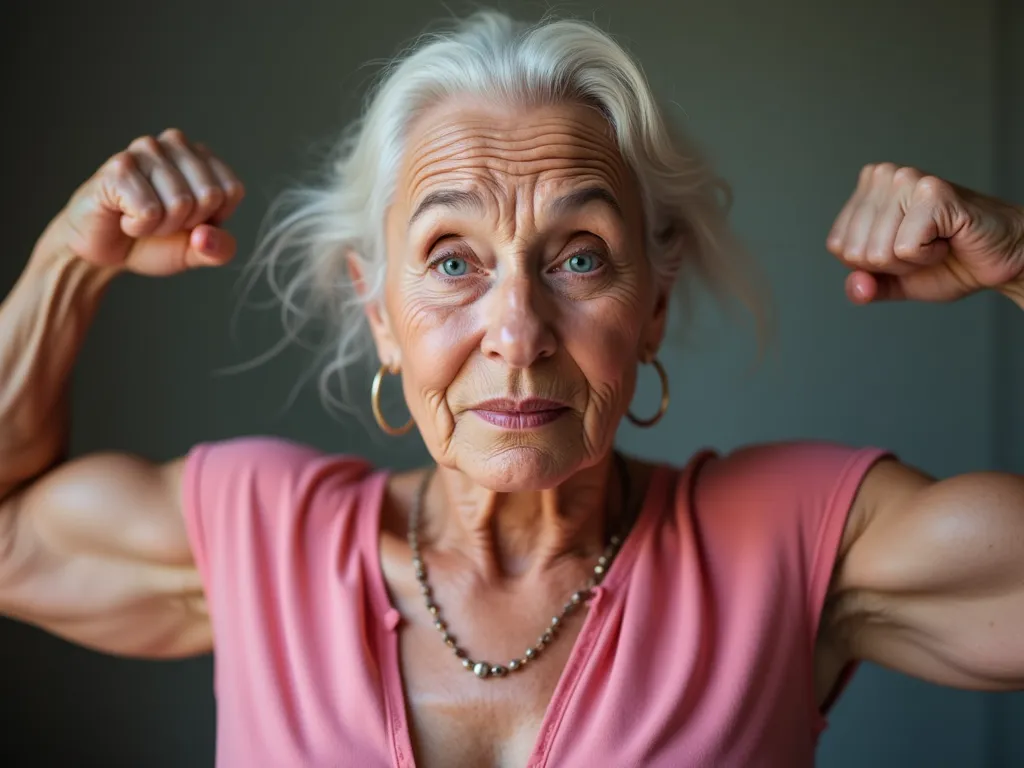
[(664, 399), (375, 403)]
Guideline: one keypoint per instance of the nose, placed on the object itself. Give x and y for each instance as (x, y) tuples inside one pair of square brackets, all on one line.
[(519, 329)]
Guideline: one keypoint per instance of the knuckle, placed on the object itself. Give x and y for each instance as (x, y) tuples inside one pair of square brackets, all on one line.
[(904, 250), (867, 172), (121, 165), (853, 252), (883, 171), (876, 255), (235, 190), (174, 136), (933, 188), (210, 197), (150, 212), (180, 205), (906, 175), (145, 144)]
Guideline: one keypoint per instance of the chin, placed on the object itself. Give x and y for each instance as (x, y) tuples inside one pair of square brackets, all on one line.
[(524, 467)]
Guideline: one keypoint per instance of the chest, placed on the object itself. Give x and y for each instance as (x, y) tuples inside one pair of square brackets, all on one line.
[(628, 683), (456, 719), (601, 688)]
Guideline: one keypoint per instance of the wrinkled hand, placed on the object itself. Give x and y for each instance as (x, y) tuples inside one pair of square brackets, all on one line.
[(155, 208), (907, 235)]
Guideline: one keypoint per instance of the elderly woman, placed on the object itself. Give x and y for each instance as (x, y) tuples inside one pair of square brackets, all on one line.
[(509, 218)]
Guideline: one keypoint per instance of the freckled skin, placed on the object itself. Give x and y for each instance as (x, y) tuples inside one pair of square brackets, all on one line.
[(543, 301)]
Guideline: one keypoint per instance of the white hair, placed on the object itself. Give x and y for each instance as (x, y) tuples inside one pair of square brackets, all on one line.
[(312, 229)]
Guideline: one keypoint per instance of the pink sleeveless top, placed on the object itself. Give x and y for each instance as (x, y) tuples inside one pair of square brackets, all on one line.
[(697, 649)]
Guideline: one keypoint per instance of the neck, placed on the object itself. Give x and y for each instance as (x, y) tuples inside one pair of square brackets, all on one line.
[(510, 535)]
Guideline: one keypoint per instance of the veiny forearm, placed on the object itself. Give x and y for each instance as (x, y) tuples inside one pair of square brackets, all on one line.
[(43, 322)]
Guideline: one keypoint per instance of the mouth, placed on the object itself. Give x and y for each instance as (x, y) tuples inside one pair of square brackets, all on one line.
[(520, 414)]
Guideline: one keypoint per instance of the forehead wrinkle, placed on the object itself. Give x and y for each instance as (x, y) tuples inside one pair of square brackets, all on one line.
[(489, 172), (543, 148), (481, 181), (443, 134), (478, 145)]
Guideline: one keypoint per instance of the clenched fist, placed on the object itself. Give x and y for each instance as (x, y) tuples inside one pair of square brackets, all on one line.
[(911, 236), (155, 208)]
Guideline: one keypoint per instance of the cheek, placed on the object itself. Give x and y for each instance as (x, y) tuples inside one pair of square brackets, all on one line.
[(603, 338), (435, 339)]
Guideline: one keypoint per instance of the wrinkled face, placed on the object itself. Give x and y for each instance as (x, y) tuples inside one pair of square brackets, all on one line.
[(518, 299)]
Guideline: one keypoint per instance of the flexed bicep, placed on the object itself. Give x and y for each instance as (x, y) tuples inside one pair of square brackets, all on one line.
[(931, 580), (97, 552)]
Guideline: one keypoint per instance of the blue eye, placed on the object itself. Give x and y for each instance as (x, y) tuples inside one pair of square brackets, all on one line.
[(581, 263), (454, 266)]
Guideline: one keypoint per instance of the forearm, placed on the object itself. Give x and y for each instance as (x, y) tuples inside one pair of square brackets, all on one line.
[(43, 322)]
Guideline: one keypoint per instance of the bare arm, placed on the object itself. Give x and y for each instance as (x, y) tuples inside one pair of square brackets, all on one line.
[(930, 580), (42, 323), (95, 549)]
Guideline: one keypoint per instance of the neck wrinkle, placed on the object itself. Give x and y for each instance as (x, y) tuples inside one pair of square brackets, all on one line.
[(511, 536)]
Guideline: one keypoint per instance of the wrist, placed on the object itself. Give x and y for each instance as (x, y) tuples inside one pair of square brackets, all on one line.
[(52, 255)]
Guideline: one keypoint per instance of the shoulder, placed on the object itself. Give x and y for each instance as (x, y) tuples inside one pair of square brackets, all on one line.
[(250, 501), (266, 482), (809, 472), (776, 513), (791, 497), (267, 464)]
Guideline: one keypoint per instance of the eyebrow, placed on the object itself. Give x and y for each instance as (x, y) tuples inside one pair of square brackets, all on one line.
[(456, 198), (447, 198), (581, 197)]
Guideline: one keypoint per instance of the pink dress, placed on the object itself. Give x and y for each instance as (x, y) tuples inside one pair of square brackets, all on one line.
[(697, 650)]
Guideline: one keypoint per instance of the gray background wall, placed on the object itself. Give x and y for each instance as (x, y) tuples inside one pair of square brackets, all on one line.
[(791, 97)]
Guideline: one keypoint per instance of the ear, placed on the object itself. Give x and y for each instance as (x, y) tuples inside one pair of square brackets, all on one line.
[(376, 314), (654, 334)]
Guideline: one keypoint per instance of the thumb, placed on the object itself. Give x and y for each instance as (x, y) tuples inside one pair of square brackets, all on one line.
[(209, 246), (931, 283), (204, 246), (866, 287)]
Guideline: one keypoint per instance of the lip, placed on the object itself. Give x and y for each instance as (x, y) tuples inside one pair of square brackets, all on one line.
[(520, 414)]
